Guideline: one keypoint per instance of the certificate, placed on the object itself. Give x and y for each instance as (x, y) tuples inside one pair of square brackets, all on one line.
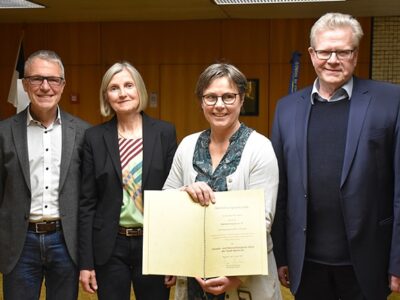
[(183, 238)]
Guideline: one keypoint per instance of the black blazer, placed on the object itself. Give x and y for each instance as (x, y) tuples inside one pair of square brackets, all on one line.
[(101, 195), (369, 189)]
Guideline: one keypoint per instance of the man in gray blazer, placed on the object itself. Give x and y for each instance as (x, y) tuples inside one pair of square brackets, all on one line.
[(40, 153)]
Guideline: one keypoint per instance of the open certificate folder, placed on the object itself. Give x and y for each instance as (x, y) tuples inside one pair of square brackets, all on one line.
[(183, 238)]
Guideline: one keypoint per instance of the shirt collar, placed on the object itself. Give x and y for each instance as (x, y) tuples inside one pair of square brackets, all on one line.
[(31, 120), (345, 91)]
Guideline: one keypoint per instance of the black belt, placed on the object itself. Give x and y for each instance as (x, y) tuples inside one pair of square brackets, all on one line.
[(137, 231), (45, 226)]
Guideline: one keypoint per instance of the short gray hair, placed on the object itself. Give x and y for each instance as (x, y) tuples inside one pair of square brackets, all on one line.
[(47, 55), (220, 70), (105, 107), (332, 21)]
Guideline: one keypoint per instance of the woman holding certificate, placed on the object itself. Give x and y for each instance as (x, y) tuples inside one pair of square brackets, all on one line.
[(121, 158), (227, 156)]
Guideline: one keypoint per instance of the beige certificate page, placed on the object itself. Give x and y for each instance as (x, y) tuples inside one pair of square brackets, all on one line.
[(185, 239)]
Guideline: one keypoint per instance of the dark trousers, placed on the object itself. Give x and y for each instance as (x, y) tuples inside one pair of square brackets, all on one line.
[(319, 281), (43, 256), (124, 269)]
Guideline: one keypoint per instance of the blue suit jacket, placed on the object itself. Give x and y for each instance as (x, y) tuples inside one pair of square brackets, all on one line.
[(369, 189)]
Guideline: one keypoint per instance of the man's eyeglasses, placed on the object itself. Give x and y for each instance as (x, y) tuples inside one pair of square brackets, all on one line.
[(38, 80), (212, 99), (340, 54)]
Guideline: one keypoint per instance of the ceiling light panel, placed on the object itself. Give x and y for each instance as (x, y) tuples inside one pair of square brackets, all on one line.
[(18, 4), (236, 2)]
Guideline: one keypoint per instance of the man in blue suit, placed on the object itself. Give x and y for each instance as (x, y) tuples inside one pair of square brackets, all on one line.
[(337, 225)]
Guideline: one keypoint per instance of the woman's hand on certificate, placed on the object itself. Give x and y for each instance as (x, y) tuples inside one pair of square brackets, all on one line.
[(200, 192), (219, 285)]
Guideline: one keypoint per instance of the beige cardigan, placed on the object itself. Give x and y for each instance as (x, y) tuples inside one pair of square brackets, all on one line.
[(258, 168)]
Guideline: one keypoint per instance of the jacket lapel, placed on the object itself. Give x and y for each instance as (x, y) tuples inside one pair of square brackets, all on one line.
[(111, 141), (303, 108), (358, 109), (68, 143), (19, 135), (149, 139)]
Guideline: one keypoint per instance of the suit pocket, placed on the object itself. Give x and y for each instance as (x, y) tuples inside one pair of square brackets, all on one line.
[(377, 133), (385, 230), (374, 134), (386, 222)]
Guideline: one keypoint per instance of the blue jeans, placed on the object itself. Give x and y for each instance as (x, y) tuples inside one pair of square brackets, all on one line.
[(43, 256)]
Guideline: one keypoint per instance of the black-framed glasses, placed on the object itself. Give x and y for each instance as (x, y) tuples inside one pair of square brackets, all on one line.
[(38, 80), (212, 99), (340, 54)]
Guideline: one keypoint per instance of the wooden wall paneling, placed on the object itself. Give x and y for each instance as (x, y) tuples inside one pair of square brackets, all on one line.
[(162, 42), (6, 109), (364, 54), (10, 34), (83, 81), (178, 103), (279, 77), (245, 41), (75, 43), (151, 77), (35, 38), (278, 87), (363, 70), (260, 72), (190, 42), (307, 76), (136, 42), (287, 36)]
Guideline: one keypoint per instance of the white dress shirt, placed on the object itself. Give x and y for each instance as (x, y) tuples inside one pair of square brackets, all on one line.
[(44, 151)]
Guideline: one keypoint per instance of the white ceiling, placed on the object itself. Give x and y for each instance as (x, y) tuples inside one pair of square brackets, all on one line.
[(141, 10)]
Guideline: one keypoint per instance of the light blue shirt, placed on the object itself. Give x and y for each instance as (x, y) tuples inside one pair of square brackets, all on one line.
[(342, 93)]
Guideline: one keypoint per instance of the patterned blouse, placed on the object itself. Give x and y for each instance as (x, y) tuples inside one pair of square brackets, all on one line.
[(131, 154), (202, 159)]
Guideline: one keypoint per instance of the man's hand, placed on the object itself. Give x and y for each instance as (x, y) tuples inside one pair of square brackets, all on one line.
[(88, 281), (283, 274), (395, 283)]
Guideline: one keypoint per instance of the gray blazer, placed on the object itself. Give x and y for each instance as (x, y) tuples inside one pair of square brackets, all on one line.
[(15, 190)]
